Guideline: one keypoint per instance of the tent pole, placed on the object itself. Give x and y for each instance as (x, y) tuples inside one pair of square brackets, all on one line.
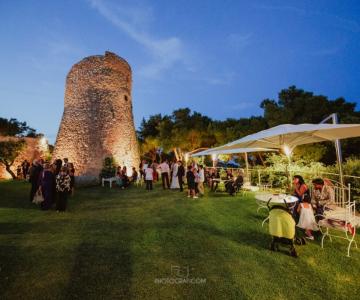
[(247, 166), (335, 120)]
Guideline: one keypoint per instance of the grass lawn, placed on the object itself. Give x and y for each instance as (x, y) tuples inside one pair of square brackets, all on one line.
[(115, 244)]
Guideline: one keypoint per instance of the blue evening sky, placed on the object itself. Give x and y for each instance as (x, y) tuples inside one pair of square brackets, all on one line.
[(221, 58)]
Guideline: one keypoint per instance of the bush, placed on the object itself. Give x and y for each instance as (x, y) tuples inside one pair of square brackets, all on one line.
[(279, 169), (109, 168)]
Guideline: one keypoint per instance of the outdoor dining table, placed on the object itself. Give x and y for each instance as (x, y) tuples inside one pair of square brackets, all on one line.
[(221, 183), (278, 199)]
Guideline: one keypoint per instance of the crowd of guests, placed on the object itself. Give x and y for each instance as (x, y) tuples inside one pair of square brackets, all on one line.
[(122, 179), (52, 182), (311, 204), (174, 175), (171, 174), (233, 179)]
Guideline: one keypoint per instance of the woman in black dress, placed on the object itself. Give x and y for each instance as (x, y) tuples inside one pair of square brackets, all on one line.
[(46, 183), (190, 177)]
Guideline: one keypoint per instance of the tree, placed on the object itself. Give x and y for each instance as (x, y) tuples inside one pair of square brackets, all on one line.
[(109, 167), (296, 106), (185, 130), (9, 150), (150, 147), (13, 127), (149, 128)]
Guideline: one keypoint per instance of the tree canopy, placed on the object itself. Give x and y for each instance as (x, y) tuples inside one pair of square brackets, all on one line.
[(185, 130), (13, 127), (9, 150)]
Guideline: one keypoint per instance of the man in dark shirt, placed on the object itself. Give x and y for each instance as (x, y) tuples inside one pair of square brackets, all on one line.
[(181, 174), (25, 168), (34, 172), (190, 177)]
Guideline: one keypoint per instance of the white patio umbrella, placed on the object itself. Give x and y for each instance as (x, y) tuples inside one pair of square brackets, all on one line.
[(218, 151), (288, 136)]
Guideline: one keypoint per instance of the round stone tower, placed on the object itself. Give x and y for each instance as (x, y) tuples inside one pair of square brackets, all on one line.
[(98, 120)]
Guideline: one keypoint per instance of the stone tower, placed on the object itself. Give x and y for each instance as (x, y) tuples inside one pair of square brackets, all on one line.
[(98, 120)]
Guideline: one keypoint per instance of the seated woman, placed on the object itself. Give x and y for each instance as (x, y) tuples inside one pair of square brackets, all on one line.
[(118, 176), (125, 178), (300, 189), (233, 185), (323, 194), (214, 183), (229, 175)]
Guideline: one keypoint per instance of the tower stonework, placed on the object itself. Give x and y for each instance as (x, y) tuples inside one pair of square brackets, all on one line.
[(98, 120)]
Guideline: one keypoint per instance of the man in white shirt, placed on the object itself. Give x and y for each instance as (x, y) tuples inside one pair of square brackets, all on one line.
[(149, 177), (165, 170)]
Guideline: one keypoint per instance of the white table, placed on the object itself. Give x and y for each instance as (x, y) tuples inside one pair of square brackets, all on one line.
[(276, 198), (220, 184), (110, 180), (263, 199), (248, 187)]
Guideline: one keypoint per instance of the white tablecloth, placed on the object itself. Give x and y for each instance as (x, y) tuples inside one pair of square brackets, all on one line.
[(275, 198)]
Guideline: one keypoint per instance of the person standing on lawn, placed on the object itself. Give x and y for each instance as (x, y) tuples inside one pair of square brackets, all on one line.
[(190, 177), (25, 168), (149, 177), (46, 182), (201, 180), (181, 174), (154, 165), (307, 218), (63, 182), (34, 172), (165, 170), (174, 178), (134, 175)]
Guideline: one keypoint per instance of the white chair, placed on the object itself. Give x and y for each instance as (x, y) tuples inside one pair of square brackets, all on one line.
[(110, 180), (340, 218)]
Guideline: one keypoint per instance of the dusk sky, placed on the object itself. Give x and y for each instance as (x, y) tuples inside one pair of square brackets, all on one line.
[(220, 58)]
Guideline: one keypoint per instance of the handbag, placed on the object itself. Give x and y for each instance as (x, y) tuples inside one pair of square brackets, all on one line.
[(38, 198)]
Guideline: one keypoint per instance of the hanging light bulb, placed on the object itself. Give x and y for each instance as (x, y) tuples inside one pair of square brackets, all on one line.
[(287, 151)]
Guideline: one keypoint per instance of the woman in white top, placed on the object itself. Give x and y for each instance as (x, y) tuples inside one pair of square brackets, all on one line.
[(149, 176), (174, 177)]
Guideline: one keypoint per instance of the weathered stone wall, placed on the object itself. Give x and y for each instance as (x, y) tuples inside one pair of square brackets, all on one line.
[(35, 148), (98, 118)]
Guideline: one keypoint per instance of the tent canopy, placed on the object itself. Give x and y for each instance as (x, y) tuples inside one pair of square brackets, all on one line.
[(218, 151), (293, 135)]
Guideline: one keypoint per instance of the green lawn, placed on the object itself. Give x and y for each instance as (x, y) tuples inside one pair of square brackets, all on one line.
[(115, 244)]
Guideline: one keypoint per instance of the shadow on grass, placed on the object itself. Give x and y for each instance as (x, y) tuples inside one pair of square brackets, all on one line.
[(10, 266), (14, 228), (102, 264)]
